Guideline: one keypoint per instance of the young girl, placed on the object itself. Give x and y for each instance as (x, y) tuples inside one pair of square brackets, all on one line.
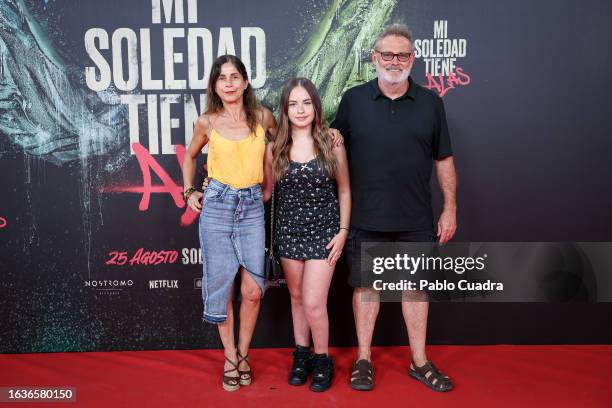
[(312, 221), (232, 214)]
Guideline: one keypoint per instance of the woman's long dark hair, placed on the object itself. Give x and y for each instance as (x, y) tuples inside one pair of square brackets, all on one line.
[(249, 102), (321, 135)]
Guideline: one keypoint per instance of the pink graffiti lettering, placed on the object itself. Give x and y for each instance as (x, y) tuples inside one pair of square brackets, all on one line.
[(147, 164), (443, 84), (142, 257)]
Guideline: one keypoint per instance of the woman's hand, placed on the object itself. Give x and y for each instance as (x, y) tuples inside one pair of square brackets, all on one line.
[(195, 201), (205, 184), (336, 245)]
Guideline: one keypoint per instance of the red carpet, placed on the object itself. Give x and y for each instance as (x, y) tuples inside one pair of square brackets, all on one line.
[(484, 376)]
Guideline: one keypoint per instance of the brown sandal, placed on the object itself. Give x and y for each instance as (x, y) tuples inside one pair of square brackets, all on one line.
[(362, 377), (231, 383), (246, 376), (429, 375)]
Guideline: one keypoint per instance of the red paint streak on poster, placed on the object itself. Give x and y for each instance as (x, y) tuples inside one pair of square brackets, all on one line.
[(147, 164)]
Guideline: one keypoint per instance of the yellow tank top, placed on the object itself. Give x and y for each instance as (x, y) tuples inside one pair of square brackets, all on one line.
[(238, 163)]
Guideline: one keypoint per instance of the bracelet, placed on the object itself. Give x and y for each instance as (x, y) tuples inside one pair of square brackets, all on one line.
[(188, 192), (344, 228)]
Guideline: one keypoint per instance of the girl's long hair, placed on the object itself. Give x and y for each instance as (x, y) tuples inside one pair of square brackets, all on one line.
[(249, 102), (320, 134)]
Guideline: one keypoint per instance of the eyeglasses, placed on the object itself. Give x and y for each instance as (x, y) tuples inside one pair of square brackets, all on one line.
[(388, 56)]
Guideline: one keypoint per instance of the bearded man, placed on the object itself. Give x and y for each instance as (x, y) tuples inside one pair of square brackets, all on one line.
[(395, 131)]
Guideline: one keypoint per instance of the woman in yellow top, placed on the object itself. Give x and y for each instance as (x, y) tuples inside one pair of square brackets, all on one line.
[(232, 233)]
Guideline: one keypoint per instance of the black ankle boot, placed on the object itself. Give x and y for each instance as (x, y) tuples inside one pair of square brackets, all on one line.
[(302, 365), (323, 372)]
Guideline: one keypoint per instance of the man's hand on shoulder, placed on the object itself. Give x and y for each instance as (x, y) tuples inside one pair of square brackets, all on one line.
[(337, 138)]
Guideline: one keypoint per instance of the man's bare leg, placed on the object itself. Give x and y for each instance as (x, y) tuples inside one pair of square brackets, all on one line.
[(366, 304), (415, 315)]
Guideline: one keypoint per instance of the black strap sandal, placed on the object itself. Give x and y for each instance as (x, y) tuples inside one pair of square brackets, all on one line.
[(362, 377), (246, 376), (231, 383), (429, 375)]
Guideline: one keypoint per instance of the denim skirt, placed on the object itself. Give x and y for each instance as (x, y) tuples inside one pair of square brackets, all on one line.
[(232, 234)]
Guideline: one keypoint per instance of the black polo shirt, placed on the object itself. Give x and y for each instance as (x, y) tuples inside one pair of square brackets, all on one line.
[(391, 145)]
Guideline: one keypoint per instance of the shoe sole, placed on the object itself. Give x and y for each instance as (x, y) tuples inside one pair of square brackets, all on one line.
[(362, 387), (231, 388)]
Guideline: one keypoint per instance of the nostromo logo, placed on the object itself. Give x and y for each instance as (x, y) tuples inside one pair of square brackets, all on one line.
[(108, 283)]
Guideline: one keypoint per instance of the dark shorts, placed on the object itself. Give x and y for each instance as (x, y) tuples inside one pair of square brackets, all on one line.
[(357, 236)]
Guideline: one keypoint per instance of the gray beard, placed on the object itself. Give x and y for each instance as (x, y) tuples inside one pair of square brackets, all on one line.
[(384, 75)]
